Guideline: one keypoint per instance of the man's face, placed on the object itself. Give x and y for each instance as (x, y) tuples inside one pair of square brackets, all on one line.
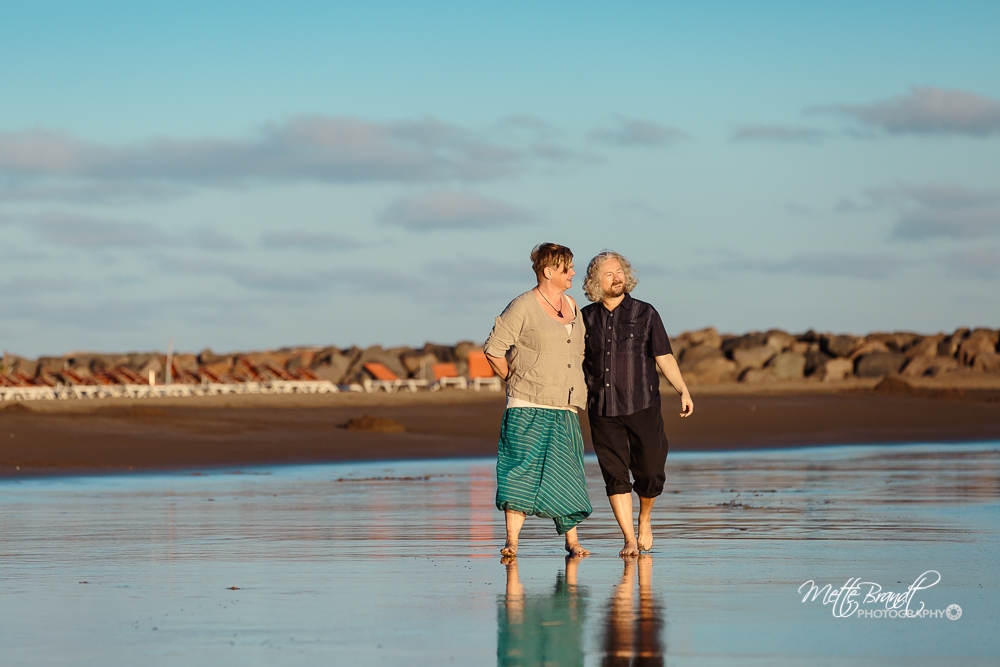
[(612, 278)]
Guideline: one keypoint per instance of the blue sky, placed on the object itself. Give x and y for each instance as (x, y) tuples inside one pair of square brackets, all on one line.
[(251, 175)]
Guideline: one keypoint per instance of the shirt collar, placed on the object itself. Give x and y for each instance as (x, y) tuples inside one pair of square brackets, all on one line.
[(626, 303)]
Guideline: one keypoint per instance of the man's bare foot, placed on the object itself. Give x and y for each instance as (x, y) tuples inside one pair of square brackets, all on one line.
[(645, 535), (630, 549), (509, 549), (575, 550)]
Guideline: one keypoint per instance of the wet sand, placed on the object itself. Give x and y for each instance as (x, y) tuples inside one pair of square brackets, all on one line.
[(73, 437), (396, 563)]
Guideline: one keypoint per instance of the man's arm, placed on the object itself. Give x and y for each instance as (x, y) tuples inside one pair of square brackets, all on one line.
[(668, 366)]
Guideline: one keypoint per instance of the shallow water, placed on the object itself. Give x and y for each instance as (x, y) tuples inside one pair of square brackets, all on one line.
[(397, 563)]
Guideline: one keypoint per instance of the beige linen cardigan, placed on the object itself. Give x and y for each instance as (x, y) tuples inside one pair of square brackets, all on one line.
[(546, 363)]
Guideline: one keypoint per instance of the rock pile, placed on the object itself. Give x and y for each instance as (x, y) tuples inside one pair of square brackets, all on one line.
[(708, 357), (705, 356)]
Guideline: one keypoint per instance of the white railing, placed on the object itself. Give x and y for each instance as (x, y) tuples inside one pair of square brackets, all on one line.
[(64, 392)]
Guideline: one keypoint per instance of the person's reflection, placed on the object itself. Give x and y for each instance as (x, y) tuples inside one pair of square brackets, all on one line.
[(541, 629), (631, 639)]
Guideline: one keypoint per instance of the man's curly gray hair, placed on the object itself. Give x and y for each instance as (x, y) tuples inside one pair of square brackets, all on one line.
[(592, 283)]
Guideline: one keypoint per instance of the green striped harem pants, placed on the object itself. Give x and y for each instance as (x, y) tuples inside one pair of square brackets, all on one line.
[(540, 466)]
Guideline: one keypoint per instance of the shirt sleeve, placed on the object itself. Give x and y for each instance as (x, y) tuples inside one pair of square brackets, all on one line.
[(506, 331), (658, 339)]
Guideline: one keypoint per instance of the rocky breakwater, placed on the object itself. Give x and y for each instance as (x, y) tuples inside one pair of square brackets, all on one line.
[(705, 356), (338, 365), (708, 357)]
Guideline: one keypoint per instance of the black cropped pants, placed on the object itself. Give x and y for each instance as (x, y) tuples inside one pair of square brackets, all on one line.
[(632, 443)]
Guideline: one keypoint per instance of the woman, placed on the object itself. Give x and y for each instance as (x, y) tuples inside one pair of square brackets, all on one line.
[(537, 347)]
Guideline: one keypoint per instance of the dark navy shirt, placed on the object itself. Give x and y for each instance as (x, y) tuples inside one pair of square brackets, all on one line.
[(620, 357)]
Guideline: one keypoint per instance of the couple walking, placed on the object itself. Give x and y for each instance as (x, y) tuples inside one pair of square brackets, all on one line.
[(556, 360)]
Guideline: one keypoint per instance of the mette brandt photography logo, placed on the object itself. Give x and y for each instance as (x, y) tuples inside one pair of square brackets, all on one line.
[(867, 599)]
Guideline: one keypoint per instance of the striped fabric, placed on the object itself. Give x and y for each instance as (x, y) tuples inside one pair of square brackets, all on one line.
[(540, 466)]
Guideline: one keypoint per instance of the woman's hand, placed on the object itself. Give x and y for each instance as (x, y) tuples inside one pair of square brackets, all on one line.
[(499, 366)]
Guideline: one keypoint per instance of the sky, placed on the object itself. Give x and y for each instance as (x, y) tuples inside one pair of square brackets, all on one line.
[(257, 175)]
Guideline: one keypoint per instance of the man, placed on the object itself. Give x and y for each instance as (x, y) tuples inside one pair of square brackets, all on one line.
[(625, 344)]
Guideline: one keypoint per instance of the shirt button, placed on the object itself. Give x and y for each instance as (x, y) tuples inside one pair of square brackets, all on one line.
[(569, 340), (607, 385), (607, 353), (607, 369), (569, 365)]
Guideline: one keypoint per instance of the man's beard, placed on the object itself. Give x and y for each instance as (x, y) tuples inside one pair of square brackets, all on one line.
[(616, 290)]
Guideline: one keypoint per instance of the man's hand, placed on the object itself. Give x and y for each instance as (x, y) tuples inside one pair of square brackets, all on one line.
[(687, 405), (668, 366)]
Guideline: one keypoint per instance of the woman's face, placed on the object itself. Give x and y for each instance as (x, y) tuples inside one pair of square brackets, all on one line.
[(561, 278)]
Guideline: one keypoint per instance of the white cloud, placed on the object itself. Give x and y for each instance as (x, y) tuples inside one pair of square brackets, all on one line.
[(868, 266), (478, 270), (934, 211), (41, 164), (635, 132), (308, 240), (982, 263), (452, 209), (927, 110), (78, 231), (59, 228), (208, 238), (777, 133)]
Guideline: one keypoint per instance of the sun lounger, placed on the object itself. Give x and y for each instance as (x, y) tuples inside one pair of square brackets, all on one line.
[(387, 380), (447, 375), (481, 373)]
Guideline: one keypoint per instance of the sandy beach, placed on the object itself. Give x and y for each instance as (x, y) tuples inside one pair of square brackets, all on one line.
[(84, 436)]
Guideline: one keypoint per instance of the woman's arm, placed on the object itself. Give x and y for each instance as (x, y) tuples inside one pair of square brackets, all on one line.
[(668, 365), (499, 365), (504, 336)]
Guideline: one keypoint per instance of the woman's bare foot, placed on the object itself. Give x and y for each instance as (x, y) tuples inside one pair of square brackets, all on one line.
[(509, 549), (513, 520), (645, 535), (630, 549), (573, 547)]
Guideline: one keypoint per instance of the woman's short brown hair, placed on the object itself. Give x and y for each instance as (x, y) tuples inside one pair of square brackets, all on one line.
[(550, 255)]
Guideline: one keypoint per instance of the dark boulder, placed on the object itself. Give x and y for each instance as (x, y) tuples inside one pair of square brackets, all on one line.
[(753, 357), (839, 346), (788, 366), (816, 360), (732, 343), (443, 353), (694, 355), (207, 357), (878, 364)]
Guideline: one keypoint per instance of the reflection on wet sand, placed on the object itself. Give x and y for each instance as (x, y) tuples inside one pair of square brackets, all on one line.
[(394, 563), (632, 638), (548, 628), (541, 629)]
